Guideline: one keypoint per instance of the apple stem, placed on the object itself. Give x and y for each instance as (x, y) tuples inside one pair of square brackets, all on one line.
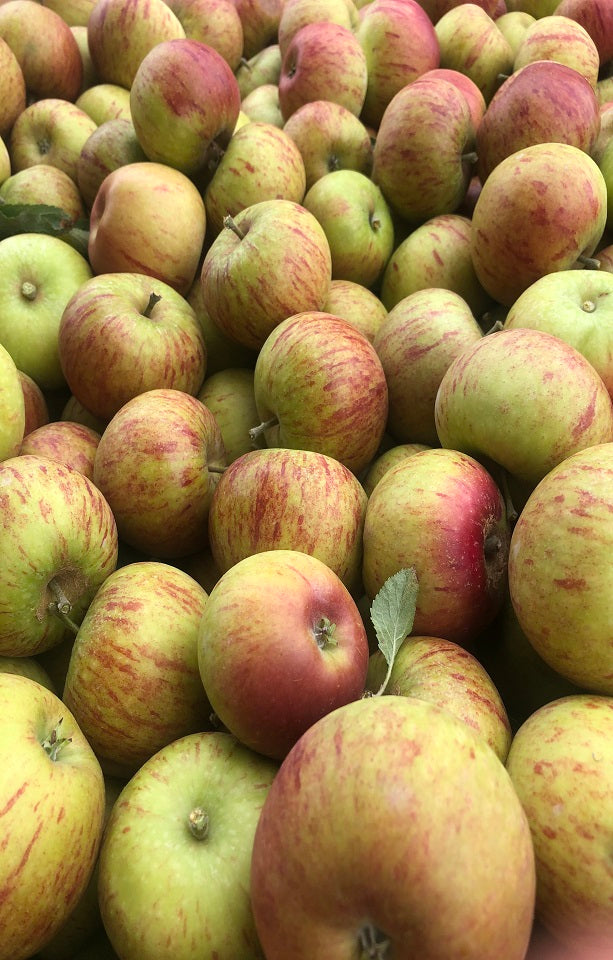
[(198, 823), (510, 508), (496, 326), (28, 290), (324, 631), (61, 605), (372, 943), (256, 432), (153, 299), (590, 263), (52, 745), (229, 222), (471, 157), (333, 163), (212, 469), (243, 62), (491, 546), (503, 76)]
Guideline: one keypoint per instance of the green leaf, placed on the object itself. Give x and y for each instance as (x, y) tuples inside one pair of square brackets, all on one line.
[(392, 613), (43, 218)]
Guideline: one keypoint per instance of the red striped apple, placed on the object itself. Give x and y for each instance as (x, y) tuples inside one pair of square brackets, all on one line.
[(69, 443)]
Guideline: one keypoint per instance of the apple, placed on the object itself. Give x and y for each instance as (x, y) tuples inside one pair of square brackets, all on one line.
[(39, 274), (221, 351), (281, 499), (213, 22), (539, 211), (323, 61), (281, 643), (5, 162), (230, 397), (183, 98), (45, 48), (262, 105), (470, 42), (35, 404), (50, 131), (74, 12), (189, 814), (201, 567), (13, 88), (416, 344), (105, 101), (296, 14), (319, 385), (90, 77), (69, 443), (577, 307), (50, 776), (437, 8), (549, 404), (435, 254), (386, 460), (356, 303), (270, 261), (605, 165), (12, 407), (74, 411), (400, 44), (559, 568), (421, 154), (58, 542), (330, 137), (261, 162), (133, 682), (122, 334), (46, 184), (562, 39), (474, 97), (514, 23), (111, 145), (605, 134), (597, 18), (355, 854), (264, 67), (27, 667), (120, 33), (543, 102), (441, 512), (444, 673), (260, 20), (148, 218), (157, 465), (560, 764)]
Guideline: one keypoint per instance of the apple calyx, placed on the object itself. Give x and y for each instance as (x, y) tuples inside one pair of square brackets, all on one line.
[(153, 299), (54, 743), (256, 432), (375, 222), (198, 823), (589, 306), (29, 290), (373, 944), (230, 224), (324, 631)]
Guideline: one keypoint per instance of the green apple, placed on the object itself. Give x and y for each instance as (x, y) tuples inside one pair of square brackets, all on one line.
[(230, 396), (90, 76), (58, 544), (174, 864), (5, 162), (562, 39), (561, 763), (74, 12), (470, 41), (444, 673), (357, 222), (214, 22), (298, 13), (386, 460), (263, 67), (417, 343), (28, 667), (549, 404), (111, 145), (514, 23), (435, 254), (289, 500), (13, 89), (44, 47), (122, 334), (12, 407), (36, 407), (577, 307), (330, 137), (262, 105), (69, 443), (50, 777), (50, 131), (356, 303), (221, 351), (559, 568), (357, 854), (105, 101), (536, 8), (606, 168), (46, 184), (38, 276), (133, 683)]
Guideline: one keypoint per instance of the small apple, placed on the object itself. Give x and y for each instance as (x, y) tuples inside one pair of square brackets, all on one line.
[(45, 48), (562, 39), (330, 137), (296, 14), (230, 397), (264, 67), (281, 499), (50, 131), (470, 42), (12, 407), (69, 443), (214, 22), (262, 105), (356, 303), (148, 218), (13, 89), (105, 101), (27, 667), (157, 465), (111, 145), (388, 459), (514, 23), (46, 184)]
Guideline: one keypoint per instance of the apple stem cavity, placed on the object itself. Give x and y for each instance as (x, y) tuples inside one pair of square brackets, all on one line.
[(61, 605), (324, 631), (491, 546), (589, 263), (198, 823), (373, 944), (153, 299), (256, 432), (53, 744), (511, 511), (28, 290), (230, 224), (333, 163)]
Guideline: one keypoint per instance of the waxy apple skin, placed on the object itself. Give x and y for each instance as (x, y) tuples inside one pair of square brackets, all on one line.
[(561, 763), (267, 664), (440, 512), (56, 528), (324, 383), (377, 816), (293, 500), (12, 407), (45, 49), (51, 812), (560, 568), (73, 444)]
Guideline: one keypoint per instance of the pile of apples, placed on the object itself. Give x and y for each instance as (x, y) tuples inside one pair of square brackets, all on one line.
[(306, 480)]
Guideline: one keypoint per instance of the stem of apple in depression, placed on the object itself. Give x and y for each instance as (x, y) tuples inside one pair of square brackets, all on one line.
[(54, 743), (61, 605)]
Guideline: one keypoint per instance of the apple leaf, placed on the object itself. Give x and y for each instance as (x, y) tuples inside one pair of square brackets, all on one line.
[(43, 218), (392, 613)]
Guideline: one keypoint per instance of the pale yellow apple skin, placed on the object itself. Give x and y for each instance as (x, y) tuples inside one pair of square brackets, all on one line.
[(514, 23), (13, 88), (562, 39), (470, 42), (105, 101), (356, 303), (50, 131), (70, 443), (43, 183), (230, 396), (12, 407), (388, 459), (561, 765), (28, 667)]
